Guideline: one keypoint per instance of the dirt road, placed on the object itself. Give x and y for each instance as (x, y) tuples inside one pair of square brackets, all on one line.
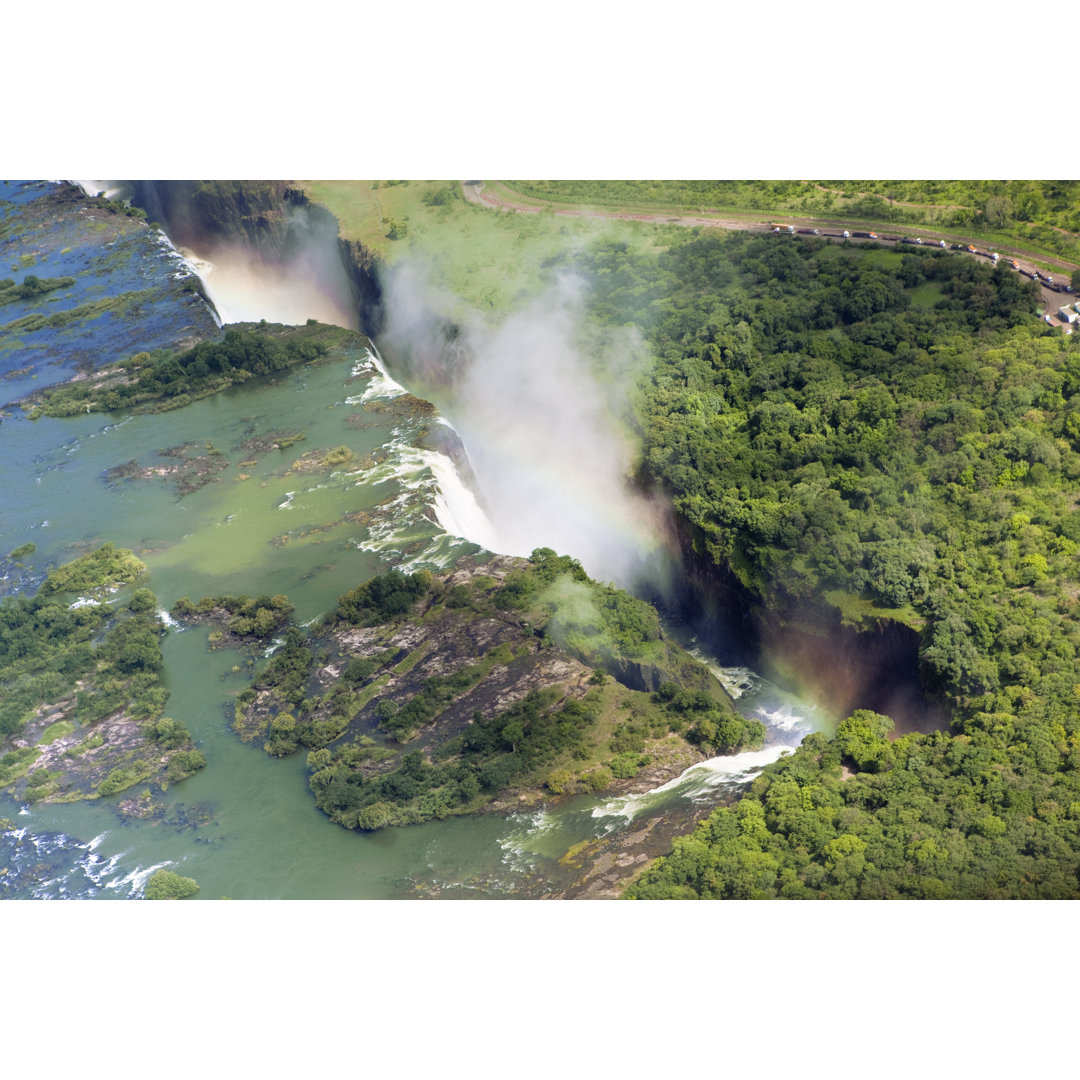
[(476, 192)]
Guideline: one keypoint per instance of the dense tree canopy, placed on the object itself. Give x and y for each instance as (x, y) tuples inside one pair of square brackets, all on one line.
[(853, 426)]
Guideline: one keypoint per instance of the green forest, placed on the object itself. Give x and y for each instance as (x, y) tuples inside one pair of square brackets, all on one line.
[(893, 433)]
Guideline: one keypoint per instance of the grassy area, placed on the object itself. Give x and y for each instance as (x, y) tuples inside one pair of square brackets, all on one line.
[(488, 259), (859, 611), (960, 208), (411, 660), (56, 731), (926, 295), (883, 258), (15, 764), (494, 261)]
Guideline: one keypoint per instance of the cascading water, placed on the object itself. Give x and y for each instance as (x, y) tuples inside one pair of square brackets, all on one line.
[(245, 826), (455, 504), (541, 406)]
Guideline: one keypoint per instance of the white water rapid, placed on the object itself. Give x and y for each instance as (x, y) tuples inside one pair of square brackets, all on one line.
[(455, 505)]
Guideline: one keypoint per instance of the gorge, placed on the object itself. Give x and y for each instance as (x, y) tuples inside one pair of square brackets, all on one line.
[(77, 849), (706, 423)]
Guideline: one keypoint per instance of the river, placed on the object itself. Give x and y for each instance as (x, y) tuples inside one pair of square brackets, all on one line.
[(246, 826)]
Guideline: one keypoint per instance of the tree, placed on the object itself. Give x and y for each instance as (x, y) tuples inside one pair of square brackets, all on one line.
[(142, 600), (998, 209), (862, 738), (165, 885)]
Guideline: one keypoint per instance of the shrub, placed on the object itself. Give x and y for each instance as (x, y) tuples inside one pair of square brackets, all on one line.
[(184, 764), (120, 778), (598, 779), (142, 600), (165, 885), (338, 456), (559, 781)]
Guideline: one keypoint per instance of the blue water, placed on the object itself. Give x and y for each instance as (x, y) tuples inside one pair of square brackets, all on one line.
[(52, 230)]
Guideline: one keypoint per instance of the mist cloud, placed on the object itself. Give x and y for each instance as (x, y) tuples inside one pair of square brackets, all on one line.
[(540, 401), (246, 288)]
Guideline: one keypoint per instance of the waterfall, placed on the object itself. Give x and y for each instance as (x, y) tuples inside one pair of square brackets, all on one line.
[(457, 508), (455, 505)]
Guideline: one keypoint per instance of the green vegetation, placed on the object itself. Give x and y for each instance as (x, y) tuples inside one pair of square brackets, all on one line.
[(496, 752), (382, 597), (242, 616), (1040, 213), (184, 764), (167, 885), (828, 442), (124, 776), (120, 305), (56, 731), (340, 455), (16, 763), (23, 550), (166, 380), (489, 260), (936, 817), (358, 702), (68, 673), (116, 206), (31, 286), (95, 573)]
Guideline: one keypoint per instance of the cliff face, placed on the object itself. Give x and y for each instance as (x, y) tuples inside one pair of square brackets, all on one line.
[(362, 267), (210, 213), (271, 220), (810, 648)]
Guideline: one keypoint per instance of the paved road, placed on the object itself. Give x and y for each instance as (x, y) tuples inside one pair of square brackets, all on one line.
[(475, 192)]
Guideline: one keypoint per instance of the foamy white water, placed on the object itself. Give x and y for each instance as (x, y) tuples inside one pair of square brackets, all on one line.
[(84, 601), (382, 384), (523, 843), (455, 505), (78, 870), (170, 622), (110, 188), (735, 680), (242, 292), (698, 783)]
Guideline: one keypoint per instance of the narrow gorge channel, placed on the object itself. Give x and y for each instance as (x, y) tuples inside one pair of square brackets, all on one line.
[(243, 827)]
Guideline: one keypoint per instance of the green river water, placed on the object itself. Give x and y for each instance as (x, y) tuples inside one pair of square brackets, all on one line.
[(246, 826)]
